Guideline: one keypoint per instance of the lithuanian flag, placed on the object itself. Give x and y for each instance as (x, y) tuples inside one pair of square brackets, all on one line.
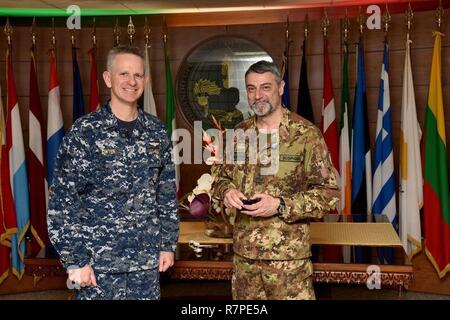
[(436, 189)]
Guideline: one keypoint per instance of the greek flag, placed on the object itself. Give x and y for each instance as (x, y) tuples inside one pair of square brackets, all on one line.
[(383, 164)]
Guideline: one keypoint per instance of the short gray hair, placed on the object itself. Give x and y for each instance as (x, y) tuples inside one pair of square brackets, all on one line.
[(122, 49), (264, 66)]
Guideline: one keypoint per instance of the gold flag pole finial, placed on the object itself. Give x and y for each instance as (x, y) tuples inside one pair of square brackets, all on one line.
[(8, 30), (306, 26), (164, 30), (360, 20), (33, 32), (93, 34), (131, 31), (287, 31), (72, 36), (147, 31), (325, 23), (346, 26), (409, 17), (386, 20), (116, 33), (439, 15), (53, 34)]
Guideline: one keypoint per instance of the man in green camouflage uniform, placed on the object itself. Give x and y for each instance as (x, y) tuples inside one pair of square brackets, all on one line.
[(272, 237)]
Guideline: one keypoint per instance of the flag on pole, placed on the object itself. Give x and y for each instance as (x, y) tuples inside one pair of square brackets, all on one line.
[(330, 134), (37, 168), (94, 97), (411, 181), (170, 106), (361, 158), (78, 102), (18, 171), (304, 104), (436, 190), (285, 75), (345, 165), (384, 200), (329, 126), (8, 222), (149, 100), (344, 148), (55, 125)]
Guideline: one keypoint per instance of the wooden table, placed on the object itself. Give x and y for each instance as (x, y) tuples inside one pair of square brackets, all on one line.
[(322, 233)]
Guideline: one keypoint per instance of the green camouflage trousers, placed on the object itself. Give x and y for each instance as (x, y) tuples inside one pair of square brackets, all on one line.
[(272, 279)]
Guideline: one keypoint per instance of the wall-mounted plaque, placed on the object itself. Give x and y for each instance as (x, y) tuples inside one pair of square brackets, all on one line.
[(211, 80)]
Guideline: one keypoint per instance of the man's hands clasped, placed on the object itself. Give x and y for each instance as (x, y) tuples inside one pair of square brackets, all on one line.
[(267, 205)]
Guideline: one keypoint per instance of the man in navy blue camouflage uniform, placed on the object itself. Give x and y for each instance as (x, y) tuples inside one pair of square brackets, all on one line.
[(112, 213)]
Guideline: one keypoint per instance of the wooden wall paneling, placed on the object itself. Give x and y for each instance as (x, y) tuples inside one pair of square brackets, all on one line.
[(269, 36)]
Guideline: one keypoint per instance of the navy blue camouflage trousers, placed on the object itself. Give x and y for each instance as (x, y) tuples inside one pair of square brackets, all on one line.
[(138, 285)]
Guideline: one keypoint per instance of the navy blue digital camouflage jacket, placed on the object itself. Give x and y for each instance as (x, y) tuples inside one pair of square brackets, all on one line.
[(113, 201)]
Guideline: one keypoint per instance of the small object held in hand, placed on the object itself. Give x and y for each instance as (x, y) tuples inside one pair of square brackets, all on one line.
[(250, 201)]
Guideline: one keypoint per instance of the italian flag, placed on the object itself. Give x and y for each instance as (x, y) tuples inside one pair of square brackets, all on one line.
[(436, 190)]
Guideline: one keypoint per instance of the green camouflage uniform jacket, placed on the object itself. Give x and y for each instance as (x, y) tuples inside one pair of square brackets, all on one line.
[(305, 179)]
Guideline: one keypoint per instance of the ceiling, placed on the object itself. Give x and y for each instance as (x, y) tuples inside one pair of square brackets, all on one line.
[(48, 8)]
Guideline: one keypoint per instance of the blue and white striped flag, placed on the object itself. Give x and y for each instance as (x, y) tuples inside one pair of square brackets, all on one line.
[(383, 164)]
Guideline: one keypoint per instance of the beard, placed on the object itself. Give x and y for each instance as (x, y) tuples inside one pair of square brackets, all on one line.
[(262, 108)]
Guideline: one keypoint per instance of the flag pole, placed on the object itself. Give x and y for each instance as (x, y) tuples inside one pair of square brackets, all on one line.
[(439, 15), (147, 32), (8, 31), (33, 33), (409, 17), (93, 33), (306, 27), (346, 26), (116, 33), (386, 21), (325, 23), (131, 31), (53, 41), (287, 35)]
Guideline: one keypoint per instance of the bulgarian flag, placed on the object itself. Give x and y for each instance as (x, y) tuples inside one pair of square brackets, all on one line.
[(436, 190)]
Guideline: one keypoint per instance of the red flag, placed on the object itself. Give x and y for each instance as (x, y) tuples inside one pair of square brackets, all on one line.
[(8, 222), (329, 127), (331, 137), (94, 98), (36, 167)]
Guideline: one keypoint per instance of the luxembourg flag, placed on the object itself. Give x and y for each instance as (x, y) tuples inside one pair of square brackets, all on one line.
[(18, 172), (55, 125)]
